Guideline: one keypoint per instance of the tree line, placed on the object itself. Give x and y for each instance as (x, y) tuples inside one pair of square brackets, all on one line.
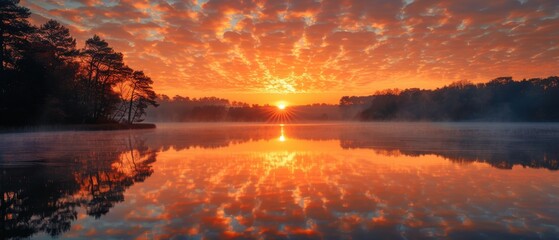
[(46, 79), (501, 99), (207, 109), (213, 109)]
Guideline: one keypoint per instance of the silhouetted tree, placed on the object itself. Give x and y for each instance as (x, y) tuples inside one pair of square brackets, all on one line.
[(141, 96), (103, 68), (50, 62), (501, 99), (13, 29), (57, 40), (45, 79)]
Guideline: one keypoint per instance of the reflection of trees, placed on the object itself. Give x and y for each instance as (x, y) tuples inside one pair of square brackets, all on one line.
[(45, 197), (36, 198), (543, 155), (501, 146), (210, 135)]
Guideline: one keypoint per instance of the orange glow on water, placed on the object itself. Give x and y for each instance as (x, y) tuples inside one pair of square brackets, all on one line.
[(282, 137), (289, 183), (285, 180)]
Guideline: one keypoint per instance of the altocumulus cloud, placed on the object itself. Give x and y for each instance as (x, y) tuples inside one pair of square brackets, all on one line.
[(314, 46)]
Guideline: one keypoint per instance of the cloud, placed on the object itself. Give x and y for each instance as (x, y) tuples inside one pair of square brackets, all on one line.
[(310, 46)]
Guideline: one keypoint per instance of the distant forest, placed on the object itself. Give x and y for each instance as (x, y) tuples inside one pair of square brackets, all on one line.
[(213, 109), (45, 79), (501, 99)]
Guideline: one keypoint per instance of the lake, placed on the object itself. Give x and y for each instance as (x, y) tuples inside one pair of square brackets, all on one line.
[(299, 181)]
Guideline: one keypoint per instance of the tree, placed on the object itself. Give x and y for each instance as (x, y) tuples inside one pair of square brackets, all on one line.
[(501, 99), (45, 79), (56, 50), (13, 28), (46, 69), (57, 40), (102, 68), (141, 96)]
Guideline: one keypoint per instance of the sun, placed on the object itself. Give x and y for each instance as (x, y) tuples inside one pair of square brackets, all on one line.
[(280, 112)]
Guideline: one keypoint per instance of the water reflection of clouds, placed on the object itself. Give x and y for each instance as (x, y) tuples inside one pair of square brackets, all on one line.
[(333, 180), (320, 193)]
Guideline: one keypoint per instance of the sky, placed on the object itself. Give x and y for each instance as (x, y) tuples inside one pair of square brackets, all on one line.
[(315, 51)]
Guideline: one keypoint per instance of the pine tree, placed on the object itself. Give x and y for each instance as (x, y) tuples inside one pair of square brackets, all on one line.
[(56, 39), (103, 68), (13, 29), (141, 96)]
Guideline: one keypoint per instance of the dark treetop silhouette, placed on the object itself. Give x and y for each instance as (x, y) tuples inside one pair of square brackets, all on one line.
[(46, 80), (501, 99)]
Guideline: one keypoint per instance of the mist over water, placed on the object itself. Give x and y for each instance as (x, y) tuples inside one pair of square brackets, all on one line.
[(319, 180)]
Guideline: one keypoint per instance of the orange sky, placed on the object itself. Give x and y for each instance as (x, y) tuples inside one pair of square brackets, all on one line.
[(309, 51)]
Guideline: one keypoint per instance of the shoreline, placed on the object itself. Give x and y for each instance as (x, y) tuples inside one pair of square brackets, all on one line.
[(78, 127)]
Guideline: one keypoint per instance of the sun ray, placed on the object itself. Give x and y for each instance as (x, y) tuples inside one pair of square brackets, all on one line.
[(281, 113)]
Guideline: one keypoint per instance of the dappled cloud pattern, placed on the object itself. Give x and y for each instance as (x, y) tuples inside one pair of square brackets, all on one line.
[(319, 45)]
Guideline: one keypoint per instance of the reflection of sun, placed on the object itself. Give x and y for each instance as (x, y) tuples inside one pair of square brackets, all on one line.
[(282, 135)]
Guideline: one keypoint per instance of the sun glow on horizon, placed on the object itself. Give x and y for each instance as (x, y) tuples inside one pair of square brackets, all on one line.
[(316, 51), (281, 112), (282, 106)]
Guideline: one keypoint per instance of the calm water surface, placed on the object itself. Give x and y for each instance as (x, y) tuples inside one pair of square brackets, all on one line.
[(361, 180)]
